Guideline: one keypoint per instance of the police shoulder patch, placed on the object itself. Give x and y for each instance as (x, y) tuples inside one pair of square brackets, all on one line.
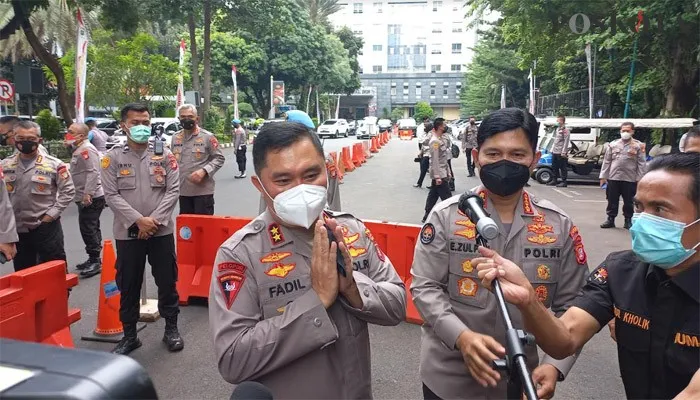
[(599, 275), (105, 161), (427, 233), (230, 284)]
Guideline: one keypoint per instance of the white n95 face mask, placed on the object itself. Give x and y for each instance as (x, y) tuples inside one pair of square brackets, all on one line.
[(300, 205)]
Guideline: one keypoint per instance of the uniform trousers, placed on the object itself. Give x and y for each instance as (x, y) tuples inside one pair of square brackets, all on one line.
[(470, 162), (441, 191), (131, 263), (616, 189), (241, 158), (201, 205), (41, 244), (560, 165), (89, 224), (424, 165)]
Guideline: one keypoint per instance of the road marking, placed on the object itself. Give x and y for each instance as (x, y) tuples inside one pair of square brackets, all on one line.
[(591, 201), (563, 193), (575, 192)]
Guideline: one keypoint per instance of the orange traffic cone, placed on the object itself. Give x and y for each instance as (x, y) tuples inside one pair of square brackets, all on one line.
[(374, 148), (109, 327)]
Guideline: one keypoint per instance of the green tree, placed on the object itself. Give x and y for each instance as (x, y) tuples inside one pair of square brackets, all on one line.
[(318, 11), (422, 109), (50, 127), (246, 110), (397, 114)]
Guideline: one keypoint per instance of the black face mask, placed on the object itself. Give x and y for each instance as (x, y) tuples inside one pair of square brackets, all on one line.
[(3, 140), (504, 177), (188, 124), (26, 146), (472, 122)]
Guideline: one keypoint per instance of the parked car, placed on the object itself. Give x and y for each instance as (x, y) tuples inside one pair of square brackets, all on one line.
[(352, 128), (408, 124), (333, 128), (108, 126), (170, 126), (368, 129), (384, 125)]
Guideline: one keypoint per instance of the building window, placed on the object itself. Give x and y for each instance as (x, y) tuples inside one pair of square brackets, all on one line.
[(456, 48), (405, 92), (432, 92), (418, 92), (444, 92), (436, 51), (376, 68), (377, 47), (378, 7), (436, 5), (393, 91), (456, 30), (437, 30), (392, 50), (357, 8), (405, 84), (456, 67), (435, 68), (357, 32)]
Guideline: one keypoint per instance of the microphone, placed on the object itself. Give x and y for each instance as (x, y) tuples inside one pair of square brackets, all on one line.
[(250, 390), (473, 206)]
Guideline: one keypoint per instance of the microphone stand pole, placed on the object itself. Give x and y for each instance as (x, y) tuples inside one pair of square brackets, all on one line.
[(514, 363)]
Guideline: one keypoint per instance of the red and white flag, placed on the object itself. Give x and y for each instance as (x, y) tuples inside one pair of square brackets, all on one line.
[(80, 68), (179, 99), (235, 91)]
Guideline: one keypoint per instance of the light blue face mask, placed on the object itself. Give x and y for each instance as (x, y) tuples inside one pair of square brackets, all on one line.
[(140, 133), (657, 240)]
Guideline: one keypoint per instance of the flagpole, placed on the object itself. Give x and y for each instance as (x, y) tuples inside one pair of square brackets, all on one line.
[(272, 99), (80, 68), (235, 91), (180, 79)]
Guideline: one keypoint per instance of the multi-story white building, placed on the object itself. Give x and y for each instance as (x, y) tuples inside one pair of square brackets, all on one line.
[(413, 50)]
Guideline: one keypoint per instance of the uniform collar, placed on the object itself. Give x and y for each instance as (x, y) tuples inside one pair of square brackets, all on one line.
[(524, 208), (279, 235), (688, 280)]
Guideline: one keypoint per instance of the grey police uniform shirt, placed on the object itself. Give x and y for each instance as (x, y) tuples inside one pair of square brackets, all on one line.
[(239, 138), (140, 185), (439, 149), (200, 150), (44, 187), (99, 140), (468, 137), (85, 169), (561, 141), (449, 296), (624, 161), (8, 228), (269, 324), (332, 193)]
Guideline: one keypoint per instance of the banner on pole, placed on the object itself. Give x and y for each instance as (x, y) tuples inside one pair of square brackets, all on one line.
[(590, 80), (80, 68), (278, 93), (235, 91), (503, 96), (179, 99)]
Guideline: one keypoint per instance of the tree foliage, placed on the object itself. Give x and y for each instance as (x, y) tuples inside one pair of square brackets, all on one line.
[(421, 110)]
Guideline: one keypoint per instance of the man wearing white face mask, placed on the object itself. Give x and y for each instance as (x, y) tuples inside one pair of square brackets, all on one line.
[(623, 167), (651, 292), (289, 306)]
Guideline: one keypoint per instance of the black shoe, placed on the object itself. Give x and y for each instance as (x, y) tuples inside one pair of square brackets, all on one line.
[(628, 223), (553, 182), (129, 342), (83, 265), (471, 174), (172, 337), (562, 184), (417, 185), (610, 223), (242, 175), (94, 268)]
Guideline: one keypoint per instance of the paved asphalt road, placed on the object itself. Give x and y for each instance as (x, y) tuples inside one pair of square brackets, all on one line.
[(379, 190)]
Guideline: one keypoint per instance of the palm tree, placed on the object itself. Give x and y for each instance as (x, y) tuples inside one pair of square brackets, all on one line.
[(319, 10)]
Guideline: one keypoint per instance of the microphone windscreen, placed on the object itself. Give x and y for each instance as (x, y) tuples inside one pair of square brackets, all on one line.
[(251, 391)]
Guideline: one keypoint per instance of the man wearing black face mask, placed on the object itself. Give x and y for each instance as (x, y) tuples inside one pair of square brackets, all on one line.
[(461, 326), (199, 156), (7, 122), (40, 189)]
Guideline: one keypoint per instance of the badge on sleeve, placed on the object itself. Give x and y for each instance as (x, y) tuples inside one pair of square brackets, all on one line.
[(2, 175), (427, 234), (85, 154), (380, 253), (172, 161), (63, 172), (600, 275), (230, 285), (104, 163), (214, 142)]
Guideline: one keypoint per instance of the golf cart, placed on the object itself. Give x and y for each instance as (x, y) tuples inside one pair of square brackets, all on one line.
[(586, 153)]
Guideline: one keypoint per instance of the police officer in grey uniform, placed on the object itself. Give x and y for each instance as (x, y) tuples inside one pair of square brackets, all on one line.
[(98, 137), (8, 228), (89, 196), (439, 170), (468, 138), (199, 156), (239, 143), (623, 166), (462, 323), (141, 182), (560, 151), (280, 312), (40, 189)]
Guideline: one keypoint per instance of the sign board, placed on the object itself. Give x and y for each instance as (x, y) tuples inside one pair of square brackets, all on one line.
[(7, 90), (192, 97)]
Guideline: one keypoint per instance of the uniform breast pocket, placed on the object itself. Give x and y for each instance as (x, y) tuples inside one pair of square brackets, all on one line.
[(280, 287), (126, 181), (157, 180), (616, 153), (463, 284), (683, 355), (41, 185), (543, 275)]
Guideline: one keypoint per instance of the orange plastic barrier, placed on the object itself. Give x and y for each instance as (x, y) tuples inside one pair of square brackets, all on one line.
[(341, 168), (198, 239), (374, 148), (365, 149), (34, 305), (412, 314), (406, 134), (348, 164), (386, 138), (339, 171), (358, 156)]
